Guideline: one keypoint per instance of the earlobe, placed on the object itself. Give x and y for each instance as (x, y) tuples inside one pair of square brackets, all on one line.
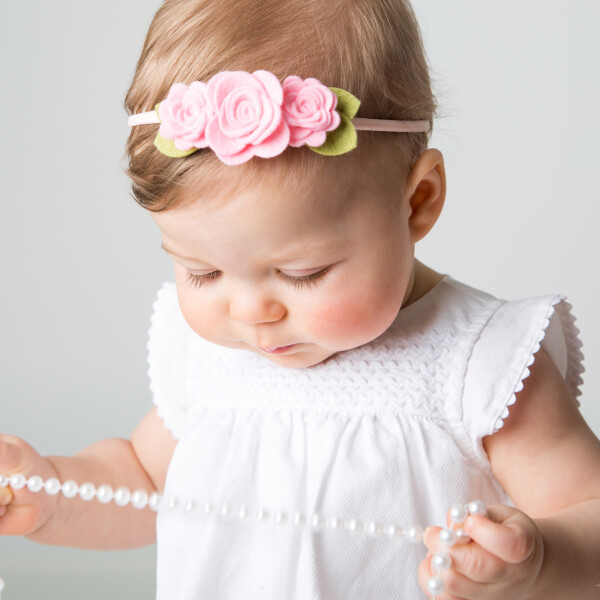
[(426, 192)]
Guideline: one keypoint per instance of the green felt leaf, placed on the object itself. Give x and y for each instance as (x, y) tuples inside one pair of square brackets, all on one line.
[(167, 147), (347, 103), (341, 140)]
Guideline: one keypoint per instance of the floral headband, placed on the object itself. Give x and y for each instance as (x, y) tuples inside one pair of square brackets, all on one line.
[(240, 115)]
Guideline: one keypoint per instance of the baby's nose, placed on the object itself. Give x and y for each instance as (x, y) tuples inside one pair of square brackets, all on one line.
[(253, 308)]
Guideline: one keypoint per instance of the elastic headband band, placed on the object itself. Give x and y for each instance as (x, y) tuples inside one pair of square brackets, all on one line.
[(240, 115)]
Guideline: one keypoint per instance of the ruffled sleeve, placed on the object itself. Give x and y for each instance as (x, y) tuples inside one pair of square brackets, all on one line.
[(167, 343), (502, 355)]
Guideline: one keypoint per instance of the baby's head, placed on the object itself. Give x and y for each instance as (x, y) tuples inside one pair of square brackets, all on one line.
[(247, 239)]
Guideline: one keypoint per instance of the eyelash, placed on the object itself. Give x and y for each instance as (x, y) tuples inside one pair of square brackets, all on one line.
[(197, 281)]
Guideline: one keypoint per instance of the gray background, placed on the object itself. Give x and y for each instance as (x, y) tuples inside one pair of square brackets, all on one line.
[(80, 261)]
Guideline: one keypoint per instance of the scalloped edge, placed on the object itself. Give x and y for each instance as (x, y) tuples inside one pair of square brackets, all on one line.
[(575, 357), (157, 399), (575, 366)]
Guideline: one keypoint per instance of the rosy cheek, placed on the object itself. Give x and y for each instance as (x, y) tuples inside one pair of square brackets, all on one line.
[(352, 321), (194, 311)]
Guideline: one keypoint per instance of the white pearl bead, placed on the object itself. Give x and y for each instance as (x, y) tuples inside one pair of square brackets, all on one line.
[(18, 481), (139, 499), (243, 512), (122, 496), (373, 529), (441, 561), (415, 534), (262, 515), (280, 517), (226, 512), (87, 491), (190, 506), (104, 494), (447, 536), (392, 531), (172, 503), (4, 480), (459, 514), (207, 508), (35, 483), (69, 489), (52, 486), (436, 585), (354, 526), (336, 523), (155, 501), (299, 519), (477, 507), (317, 523)]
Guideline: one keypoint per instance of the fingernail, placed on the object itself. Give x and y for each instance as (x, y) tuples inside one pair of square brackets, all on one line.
[(5, 496), (469, 525)]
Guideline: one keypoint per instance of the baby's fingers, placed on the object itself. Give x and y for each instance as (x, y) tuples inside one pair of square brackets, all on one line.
[(513, 539), (21, 510), (470, 560), (5, 497), (456, 585)]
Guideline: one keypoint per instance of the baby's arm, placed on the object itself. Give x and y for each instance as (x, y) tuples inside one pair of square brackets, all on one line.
[(139, 463), (548, 460)]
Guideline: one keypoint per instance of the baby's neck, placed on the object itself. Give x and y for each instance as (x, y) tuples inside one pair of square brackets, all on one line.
[(423, 279)]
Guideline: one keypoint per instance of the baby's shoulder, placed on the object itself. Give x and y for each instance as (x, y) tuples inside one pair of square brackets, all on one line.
[(512, 338), (545, 455)]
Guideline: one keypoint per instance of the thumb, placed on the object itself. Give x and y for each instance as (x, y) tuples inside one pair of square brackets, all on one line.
[(19, 457), (9, 463), (513, 540), (10, 457)]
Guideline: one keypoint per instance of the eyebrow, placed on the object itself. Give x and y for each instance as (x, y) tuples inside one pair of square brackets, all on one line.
[(292, 254), (168, 250)]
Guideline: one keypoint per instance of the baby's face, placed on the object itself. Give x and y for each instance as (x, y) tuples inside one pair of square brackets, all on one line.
[(294, 273)]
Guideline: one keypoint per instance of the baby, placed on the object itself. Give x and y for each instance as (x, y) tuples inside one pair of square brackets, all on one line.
[(305, 367)]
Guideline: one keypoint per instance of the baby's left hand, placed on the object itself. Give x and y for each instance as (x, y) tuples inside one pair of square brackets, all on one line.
[(502, 560)]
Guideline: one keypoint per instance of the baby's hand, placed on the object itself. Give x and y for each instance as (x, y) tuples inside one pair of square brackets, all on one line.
[(502, 560), (21, 511)]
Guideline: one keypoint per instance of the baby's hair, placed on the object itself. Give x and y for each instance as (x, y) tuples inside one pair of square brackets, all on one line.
[(371, 48)]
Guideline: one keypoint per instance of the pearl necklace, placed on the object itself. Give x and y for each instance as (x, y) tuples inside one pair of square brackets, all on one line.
[(140, 499)]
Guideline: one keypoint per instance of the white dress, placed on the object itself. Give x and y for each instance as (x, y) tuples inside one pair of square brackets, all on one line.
[(388, 433)]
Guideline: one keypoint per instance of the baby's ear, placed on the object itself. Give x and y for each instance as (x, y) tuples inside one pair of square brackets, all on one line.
[(426, 192)]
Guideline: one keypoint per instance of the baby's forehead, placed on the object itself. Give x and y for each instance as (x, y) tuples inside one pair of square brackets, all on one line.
[(321, 180), (287, 195)]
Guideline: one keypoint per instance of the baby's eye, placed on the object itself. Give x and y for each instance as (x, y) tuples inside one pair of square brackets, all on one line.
[(196, 281), (311, 280)]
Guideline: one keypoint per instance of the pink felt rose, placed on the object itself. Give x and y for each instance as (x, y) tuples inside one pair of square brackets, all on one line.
[(309, 109), (184, 115), (248, 120)]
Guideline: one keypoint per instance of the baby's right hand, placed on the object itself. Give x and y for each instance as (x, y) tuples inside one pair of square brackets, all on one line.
[(21, 511)]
